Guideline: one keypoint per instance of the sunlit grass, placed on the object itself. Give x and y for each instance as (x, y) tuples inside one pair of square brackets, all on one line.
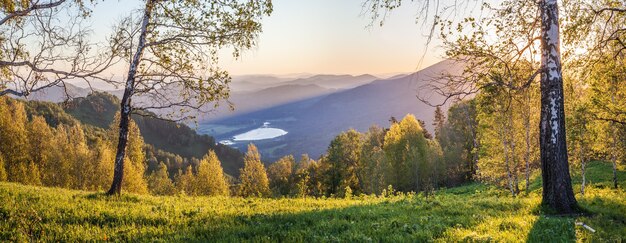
[(474, 212)]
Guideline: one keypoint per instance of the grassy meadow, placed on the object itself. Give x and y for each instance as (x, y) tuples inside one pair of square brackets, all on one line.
[(474, 212)]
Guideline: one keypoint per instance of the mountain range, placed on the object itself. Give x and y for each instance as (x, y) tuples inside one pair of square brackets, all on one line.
[(311, 123), (313, 108)]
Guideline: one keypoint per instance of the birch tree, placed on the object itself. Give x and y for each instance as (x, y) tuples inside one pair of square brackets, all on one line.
[(542, 33), (171, 50), (45, 43)]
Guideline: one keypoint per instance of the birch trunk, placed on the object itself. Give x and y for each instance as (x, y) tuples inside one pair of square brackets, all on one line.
[(614, 145), (582, 170), (557, 185), (614, 156), (507, 166), (514, 165), (474, 163), (125, 111), (527, 138)]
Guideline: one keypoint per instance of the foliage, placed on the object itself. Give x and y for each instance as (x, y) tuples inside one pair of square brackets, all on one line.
[(172, 139), (253, 177), (281, 176), (185, 181), (210, 180), (342, 158), (458, 141), (135, 160), (406, 151), (159, 182), (374, 165), (3, 172)]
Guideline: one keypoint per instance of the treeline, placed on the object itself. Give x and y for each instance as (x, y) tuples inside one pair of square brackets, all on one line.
[(403, 157), (40, 147), (33, 152), (477, 140)]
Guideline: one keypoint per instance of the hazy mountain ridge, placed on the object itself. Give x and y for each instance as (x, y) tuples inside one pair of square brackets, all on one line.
[(312, 113), (335, 81), (313, 122)]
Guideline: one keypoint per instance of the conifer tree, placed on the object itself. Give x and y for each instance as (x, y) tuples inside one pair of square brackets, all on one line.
[(59, 169), (103, 158), (13, 138), (439, 122), (253, 177), (41, 144), (78, 153)]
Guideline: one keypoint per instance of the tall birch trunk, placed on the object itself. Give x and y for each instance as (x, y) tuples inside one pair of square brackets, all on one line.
[(125, 111), (557, 185), (527, 138), (614, 145)]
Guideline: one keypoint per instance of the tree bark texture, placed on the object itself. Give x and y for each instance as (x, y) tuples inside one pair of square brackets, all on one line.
[(557, 185), (125, 111)]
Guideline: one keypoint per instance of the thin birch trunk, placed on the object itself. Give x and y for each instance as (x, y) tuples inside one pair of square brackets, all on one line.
[(125, 111)]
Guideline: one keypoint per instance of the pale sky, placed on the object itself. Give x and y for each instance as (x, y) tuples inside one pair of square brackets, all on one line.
[(317, 37)]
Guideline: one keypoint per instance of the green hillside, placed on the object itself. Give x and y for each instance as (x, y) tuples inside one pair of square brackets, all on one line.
[(474, 212), (98, 109)]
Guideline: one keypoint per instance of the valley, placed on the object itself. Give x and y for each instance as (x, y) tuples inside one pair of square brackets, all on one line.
[(308, 110), (312, 122)]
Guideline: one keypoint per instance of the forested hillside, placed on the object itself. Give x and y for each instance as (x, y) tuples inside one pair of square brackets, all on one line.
[(44, 145), (99, 108)]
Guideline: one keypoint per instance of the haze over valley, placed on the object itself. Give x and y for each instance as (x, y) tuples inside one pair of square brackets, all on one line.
[(305, 111)]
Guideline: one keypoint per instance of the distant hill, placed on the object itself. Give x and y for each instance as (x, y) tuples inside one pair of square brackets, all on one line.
[(60, 93), (313, 122), (253, 93), (251, 83), (335, 81), (245, 102), (99, 109)]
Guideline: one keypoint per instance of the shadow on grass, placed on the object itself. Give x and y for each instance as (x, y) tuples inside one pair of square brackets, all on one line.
[(551, 228), (398, 221), (394, 221), (443, 217), (603, 212)]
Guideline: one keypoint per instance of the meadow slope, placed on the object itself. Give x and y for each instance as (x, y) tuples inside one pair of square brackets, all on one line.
[(474, 212)]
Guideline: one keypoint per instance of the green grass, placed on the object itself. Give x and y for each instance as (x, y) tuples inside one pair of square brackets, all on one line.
[(475, 212)]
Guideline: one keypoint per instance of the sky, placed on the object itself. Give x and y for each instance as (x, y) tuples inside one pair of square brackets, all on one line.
[(317, 37)]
